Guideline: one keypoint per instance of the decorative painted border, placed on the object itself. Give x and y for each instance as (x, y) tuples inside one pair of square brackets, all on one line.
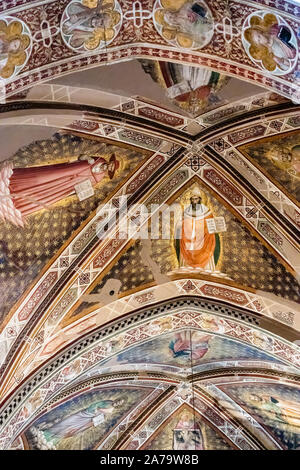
[(145, 41), (52, 378)]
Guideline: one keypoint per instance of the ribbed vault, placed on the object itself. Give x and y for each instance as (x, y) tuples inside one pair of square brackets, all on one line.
[(116, 341)]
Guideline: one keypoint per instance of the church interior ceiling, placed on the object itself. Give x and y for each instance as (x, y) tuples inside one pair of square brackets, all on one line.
[(149, 225)]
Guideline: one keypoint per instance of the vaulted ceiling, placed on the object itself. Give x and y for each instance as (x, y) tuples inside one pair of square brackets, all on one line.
[(114, 340)]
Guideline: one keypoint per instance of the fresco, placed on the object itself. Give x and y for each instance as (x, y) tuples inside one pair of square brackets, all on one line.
[(209, 33), (279, 156), (88, 25), (237, 253), (239, 256), (187, 434), (185, 430), (33, 188), (270, 42), (187, 348), (275, 406), (15, 46), (80, 423), (184, 23), (40, 206), (195, 246), (194, 90)]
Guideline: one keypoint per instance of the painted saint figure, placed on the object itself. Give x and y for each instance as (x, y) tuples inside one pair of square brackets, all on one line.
[(295, 159), (82, 420), (15, 45), (193, 89), (276, 41), (12, 52), (187, 434), (195, 246), (185, 345), (8, 46), (278, 408), (200, 81), (191, 19), (196, 90), (31, 189), (83, 21), (286, 158)]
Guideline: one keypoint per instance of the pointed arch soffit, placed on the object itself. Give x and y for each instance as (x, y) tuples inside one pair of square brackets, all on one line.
[(85, 364), (143, 424), (230, 52)]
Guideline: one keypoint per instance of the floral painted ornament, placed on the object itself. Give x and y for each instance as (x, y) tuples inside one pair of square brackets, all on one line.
[(187, 24), (15, 46), (89, 25)]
